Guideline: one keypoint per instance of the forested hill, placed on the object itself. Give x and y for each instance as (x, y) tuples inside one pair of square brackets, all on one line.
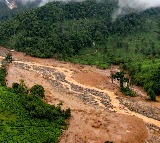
[(83, 32), (6, 13), (57, 28), (64, 30)]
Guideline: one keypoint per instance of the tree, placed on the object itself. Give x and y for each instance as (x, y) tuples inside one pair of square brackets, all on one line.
[(20, 87), (37, 90), (15, 86), (122, 79), (9, 58)]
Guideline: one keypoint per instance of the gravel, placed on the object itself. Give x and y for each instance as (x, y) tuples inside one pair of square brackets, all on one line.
[(87, 95)]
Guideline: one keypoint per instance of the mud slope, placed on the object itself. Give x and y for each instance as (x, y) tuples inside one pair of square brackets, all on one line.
[(98, 114)]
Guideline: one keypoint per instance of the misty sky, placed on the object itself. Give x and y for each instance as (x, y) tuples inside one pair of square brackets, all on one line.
[(43, 2), (143, 4), (122, 3), (137, 5)]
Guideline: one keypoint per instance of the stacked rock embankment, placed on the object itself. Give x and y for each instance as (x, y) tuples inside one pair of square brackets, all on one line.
[(59, 82), (154, 134), (141, 108)]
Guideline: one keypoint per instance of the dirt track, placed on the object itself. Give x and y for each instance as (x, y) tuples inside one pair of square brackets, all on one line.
[(97, 113)]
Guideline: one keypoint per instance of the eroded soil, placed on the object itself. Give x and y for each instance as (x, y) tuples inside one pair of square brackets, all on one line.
[(99, 111)]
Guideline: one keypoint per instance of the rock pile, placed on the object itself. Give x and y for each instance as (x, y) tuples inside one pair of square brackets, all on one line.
[(141, 108)]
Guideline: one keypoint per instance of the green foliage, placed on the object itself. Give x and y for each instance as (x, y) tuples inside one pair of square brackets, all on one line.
[(20, 88), (120, 76), (67, 113), (37, 90), (2, 76), (67, 31), (102, 66), (8, 58), (25, 118), (128, 92), (148, 76), (15, 86), (151, 94), (42, 110)]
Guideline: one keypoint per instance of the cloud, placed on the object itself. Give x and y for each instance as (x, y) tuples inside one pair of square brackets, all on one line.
[(124, 6), (43, 2), (130, 6), (26, 1)]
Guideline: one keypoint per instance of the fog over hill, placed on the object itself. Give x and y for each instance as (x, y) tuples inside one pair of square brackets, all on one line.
[(123, 6), (128, 6)]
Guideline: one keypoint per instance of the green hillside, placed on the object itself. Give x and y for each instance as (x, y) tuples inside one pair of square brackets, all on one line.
[(26, 118), (83, 32)]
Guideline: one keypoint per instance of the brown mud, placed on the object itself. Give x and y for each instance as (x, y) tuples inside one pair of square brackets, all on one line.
[(99, 111)]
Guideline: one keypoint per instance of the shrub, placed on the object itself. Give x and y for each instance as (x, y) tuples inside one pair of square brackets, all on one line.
[(9, 58), (37, 90), (102, 66), (38, 109), (127, 91), (15, 86), (20, 88), (151, 94), (67, 113)]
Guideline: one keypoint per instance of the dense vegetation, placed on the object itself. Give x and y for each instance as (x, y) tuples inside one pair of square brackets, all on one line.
[(37, 90), (83, 32), (26, 118), (2, 77)]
